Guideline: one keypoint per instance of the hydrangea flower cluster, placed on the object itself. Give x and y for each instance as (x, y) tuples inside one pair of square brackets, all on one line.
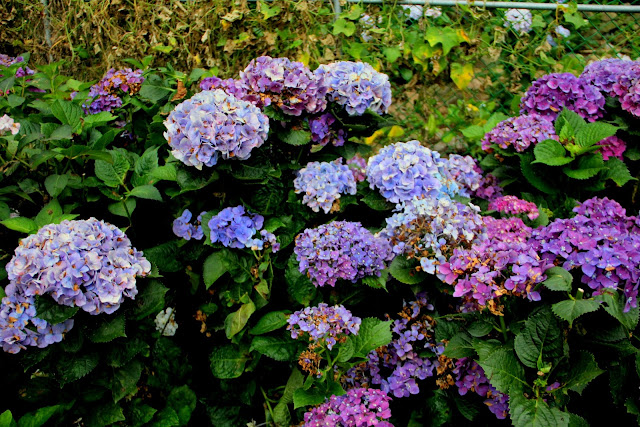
[(231, 86), (358, 166), (433, 12), (166, 322), (368, 22), (405, 170), (214, 124), (613, 77), (396, 367), (86, 263), (514, 206), (183, 228), (562, 31), (356, 86), (323, 324), (340, 250), (612, 147), (549, 94), (19, 325), (470, 377), (488, 186), (322, 184), (8, 125), (519, 132), (428, 229), (323, 133), (507, 261), (7, 61), (602, 242), (105, 95), (290, 86), (461, 175), (236, 228), (360, 407), (518, 19), (413, 11)]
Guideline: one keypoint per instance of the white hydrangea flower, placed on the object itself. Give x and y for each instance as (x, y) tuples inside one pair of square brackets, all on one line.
[(8, 125), (166, 322)]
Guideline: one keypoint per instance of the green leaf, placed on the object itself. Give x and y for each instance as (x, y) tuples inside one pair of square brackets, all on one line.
[(376, 202), (540, 340), (480, 329), (462, 74), (571, 309), (282, 349), (122, 352), (575, 19), (558, 279), (99, 119), (342, 26), (535, 413), (55, 184), (52, 312), (112, 174), (373, 333), (294, 382), (299, 286), (617, 171), (183, 401), (295, 137), (165, 173), (311, 397), (473, 132), (37, 418), (213, 268), (391, 53), (72, 368), (592, 133), (154, 91), (227, 362), (270, 322), (377, 282), (20, 224), (165, 257), (168, 417), (125, 380), (583, 370), (148, 162), (269, 12), (588, 166), (150, 300), (574, 120), (60, 133), (49, 213), (146, 192), (237, 320), (15, 101), (105, 414), (404, 271), (446, 36), (6, 419), (140, 413), (550, 152), (460, 346), (118, 208), (534, 176), (614, 305), (281, 415), (109, 330), (503, 370), (68, 113)]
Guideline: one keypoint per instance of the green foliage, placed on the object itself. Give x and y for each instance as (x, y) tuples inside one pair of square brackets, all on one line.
[(539, 341)]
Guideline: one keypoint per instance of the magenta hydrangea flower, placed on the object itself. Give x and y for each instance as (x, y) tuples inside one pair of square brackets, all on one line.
[(520, 133), (323, 324), (358, 166), (549, 94), (514, 206), (612, 77), (612, 147), (359, 407)]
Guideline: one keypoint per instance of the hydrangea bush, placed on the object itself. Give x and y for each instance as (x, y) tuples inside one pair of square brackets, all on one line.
[(281, 258)]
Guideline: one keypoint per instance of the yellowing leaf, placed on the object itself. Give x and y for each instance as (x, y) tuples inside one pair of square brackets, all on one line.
[(462, 35), (304, 58), (374, 137), (461, 74), (395, 131)]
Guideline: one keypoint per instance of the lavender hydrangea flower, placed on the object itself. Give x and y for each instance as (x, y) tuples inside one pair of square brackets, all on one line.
[(520, 133), (549, 94), (340, 250), (322, 132), (613, 77), (231, 86), (86, 263), (405, 170), (356, 86), (612, 147), (322, 184), (518, 19), (183, 228), (488, 186), (360, 407), (470, 377), (105, 95), (460, 175), (290, 86), (236, 228), (8, 125), (323, 324), (514, 206), (214, 124), (562, 31)]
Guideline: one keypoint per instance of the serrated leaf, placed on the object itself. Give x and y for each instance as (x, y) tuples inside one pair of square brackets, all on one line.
[(73, 368), (98, 119), (52, 312), (376, 202), (614, 305), (583, 370), (183, 400), (67, 112), (146, 192), (282, 349), (617, 171), (587, 166), (227, 362), (479, 329), (55, 184), (125, 380), (270, 322), (573, 119), (165, 173), (150, 300), (550, 152), (148, 162), (540, 340), (592, 133), (311, 397), (570, 310), (373, 333), (106, 414), (118, 208), (503, 370), (165, 257), (121, 353), (112, 174), (534, 177), (535, 413), (20, 224), (299, 286), (109, 330), (558, 279), (460, 346), (295, 137), (213, 268), (404, 271), (37, 418)]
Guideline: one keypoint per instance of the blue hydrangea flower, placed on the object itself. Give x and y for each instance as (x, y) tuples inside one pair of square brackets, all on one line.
[(325, 324), (323, 182), (214, 124), (234, 227), (183, 228), (356, 86)]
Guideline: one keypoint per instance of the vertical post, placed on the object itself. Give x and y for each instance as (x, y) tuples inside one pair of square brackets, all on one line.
[(47, 28), (336, 9)]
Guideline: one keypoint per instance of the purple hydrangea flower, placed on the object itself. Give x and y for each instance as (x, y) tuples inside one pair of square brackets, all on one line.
[(290, 86), (514, 206), (231, 86), (518, 19), (7, 61), (519, 132), (105, 95), (183, 228), (549, 94), (323, 324), (360, 407), (612, 147), (340, 250), (612, 77), (87, 263), (356, 86), (322, 184), (460, 175), (236, 228), (214, 124), (470, 377), (322, 132), (488, 186)]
